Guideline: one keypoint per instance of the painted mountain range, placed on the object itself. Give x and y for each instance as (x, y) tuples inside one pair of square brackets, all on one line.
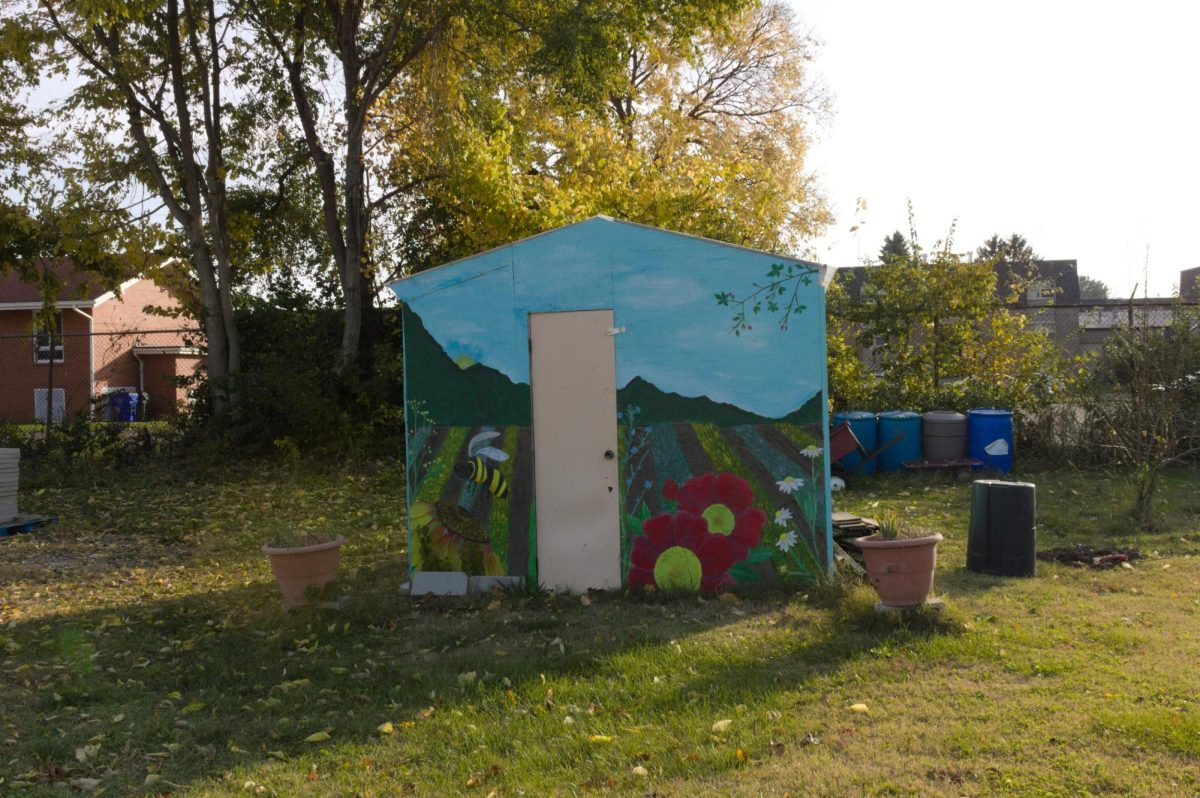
[(477, 394)]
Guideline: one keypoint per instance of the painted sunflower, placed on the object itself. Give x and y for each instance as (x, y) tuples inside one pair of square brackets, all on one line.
[(455, 537), (677, 554), (724, 502)]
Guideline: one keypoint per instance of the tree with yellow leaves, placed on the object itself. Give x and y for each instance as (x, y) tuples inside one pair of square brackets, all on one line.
[(703, 133)]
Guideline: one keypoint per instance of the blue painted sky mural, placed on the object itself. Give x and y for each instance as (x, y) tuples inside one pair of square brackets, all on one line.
[(661, 286)]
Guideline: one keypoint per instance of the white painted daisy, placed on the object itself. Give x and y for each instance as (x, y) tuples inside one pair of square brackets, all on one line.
[(782, 516), (812, 452), (789, 484), (786, 541)]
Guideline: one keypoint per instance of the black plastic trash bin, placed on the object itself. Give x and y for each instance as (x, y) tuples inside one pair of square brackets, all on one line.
[(1002, 536)]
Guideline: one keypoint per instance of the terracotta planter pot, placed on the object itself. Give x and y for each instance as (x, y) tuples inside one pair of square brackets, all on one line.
[(298, 568), (900, 570)]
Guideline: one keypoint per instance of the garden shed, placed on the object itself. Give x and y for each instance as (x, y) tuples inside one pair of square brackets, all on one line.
[(612, 405)]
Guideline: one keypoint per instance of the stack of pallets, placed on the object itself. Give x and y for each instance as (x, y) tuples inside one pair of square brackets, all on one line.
[(847, 527), (10, 460)]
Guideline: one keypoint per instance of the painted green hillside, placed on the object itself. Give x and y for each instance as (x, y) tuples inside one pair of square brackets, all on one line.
[(457, 396), (662, 407)]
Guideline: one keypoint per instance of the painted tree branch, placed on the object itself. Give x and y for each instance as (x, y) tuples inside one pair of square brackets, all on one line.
[(781, 294)]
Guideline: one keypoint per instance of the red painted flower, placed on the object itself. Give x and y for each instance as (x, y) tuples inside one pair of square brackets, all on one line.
[(723, 501), (677, 554)]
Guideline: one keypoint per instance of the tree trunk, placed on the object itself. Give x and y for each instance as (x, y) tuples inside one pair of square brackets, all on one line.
[(353, 282), (1146, 485), (216, 322), (160, 110)]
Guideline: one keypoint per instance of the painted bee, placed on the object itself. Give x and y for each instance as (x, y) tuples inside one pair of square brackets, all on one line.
[(478, 469)]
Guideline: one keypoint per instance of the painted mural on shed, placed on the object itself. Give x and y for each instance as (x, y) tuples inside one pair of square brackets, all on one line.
[(722, 423)]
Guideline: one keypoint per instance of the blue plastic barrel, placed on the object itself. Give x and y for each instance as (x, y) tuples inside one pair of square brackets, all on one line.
[(866, 430), (891, 424), (990, 438), (124, 405)]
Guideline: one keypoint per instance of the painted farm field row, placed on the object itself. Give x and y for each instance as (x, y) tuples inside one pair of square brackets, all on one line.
[(703, 507)]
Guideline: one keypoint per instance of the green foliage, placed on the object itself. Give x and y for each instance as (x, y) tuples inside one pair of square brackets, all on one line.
[(891, 525), (895, 247), (290, 396), (941, 335), (81, 445), (1014, 249), (1142, 403), (851, 382), (1091, 288)]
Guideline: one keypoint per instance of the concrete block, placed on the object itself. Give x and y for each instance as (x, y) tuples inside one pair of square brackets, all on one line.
[(439, 583)]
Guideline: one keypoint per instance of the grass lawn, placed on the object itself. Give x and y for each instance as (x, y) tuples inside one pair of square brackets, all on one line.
[(143, 650)]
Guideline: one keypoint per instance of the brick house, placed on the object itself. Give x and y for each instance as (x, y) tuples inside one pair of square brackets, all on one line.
[(102, 342)]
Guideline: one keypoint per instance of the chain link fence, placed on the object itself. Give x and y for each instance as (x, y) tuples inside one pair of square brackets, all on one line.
[(1083, 328), (126, 375)]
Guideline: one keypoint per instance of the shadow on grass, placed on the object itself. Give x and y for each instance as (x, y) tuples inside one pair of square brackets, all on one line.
[(961, 581), (193, 688)]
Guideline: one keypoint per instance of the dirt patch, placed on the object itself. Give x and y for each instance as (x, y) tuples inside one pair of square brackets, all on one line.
[(1090, 557)]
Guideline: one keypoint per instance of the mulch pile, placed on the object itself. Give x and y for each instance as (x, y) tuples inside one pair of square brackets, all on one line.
[(1086, 556)]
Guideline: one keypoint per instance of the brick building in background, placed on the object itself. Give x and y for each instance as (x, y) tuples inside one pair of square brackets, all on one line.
[(102, 343), (1189, 285)]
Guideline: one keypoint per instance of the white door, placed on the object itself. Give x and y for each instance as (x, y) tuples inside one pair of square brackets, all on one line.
[(573, 373)]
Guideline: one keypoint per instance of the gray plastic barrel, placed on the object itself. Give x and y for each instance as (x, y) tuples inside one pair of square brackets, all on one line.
[(1002, 536), (944, 433)]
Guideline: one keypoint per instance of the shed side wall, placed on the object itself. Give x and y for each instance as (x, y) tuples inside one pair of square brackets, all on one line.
[(718, 420)]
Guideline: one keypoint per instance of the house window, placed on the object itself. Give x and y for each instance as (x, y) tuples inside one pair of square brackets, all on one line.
[(1041, 292), (49, 341), (57, 408)]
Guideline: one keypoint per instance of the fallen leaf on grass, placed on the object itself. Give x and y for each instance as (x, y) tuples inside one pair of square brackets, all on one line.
[(317, 737), (742, 756), (721, 726), (600, 738), (86, 752), (639, 770), (860, 708), (385, 728)]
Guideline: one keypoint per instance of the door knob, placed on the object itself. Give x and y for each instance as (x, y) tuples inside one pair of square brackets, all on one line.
[(608, 455)]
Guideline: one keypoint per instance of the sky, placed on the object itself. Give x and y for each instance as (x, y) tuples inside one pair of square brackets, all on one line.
[(1074, 124)]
